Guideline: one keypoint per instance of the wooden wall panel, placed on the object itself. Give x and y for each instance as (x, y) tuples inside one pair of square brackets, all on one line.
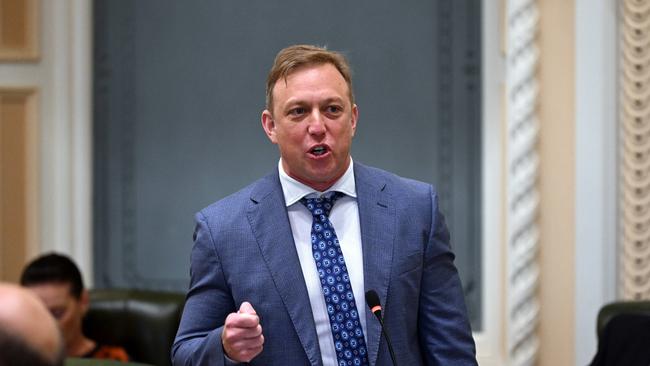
[(19, 31), (18, 181)]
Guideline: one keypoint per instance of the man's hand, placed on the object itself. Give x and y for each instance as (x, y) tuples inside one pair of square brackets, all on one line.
[(242, 337)]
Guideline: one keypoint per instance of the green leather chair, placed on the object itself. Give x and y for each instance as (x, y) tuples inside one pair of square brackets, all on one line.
[(143, 322), (623, 329), (609, 311)]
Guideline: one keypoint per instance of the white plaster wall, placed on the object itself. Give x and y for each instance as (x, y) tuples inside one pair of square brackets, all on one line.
[(489, 341), (596, 160)]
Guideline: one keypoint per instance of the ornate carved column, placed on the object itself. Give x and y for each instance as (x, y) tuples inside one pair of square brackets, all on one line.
[(522, 162), (634, 79)]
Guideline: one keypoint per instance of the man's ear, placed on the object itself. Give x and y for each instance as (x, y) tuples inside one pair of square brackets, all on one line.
[(269, 125), (354, 118)]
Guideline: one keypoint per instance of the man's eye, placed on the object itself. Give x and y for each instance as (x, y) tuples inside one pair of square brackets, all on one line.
[(297, 111), (334, 109)]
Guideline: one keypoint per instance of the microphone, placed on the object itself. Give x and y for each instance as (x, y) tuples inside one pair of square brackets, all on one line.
[(372, 299)]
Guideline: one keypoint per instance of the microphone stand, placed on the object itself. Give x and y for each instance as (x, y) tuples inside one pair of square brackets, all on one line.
[(372, 299), (390, 346)]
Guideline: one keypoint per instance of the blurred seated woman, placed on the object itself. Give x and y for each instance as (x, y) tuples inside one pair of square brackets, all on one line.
[(56, 280)]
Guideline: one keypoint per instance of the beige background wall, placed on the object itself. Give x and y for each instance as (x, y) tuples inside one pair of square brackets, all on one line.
[(556, 181)]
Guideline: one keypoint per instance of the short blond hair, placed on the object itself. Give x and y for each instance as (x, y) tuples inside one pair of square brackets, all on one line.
[(292, 58)]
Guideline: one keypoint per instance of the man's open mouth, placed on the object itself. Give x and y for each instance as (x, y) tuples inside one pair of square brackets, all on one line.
[(318, 150)]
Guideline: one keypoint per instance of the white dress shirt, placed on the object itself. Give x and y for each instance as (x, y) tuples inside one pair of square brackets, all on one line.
[(345, 219)]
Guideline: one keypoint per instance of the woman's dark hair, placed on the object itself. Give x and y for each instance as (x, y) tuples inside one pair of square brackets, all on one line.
[(53, 268)]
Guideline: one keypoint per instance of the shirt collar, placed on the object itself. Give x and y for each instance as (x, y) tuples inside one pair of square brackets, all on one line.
[(293, 190)]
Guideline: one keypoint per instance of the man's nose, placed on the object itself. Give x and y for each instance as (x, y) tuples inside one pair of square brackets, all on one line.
[(316, 123)]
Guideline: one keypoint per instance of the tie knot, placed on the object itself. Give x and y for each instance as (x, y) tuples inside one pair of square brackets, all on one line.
[(321, 205)]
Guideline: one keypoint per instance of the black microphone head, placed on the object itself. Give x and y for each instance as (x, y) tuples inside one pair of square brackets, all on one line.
[(375, 306), (372, 299)]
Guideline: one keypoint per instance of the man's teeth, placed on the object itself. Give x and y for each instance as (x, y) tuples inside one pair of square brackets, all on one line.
[(318, 150)]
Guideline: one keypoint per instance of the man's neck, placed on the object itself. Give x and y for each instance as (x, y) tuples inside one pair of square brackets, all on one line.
[(318, 186)]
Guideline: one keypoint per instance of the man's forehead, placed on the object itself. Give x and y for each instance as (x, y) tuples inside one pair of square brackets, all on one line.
[(305, 76), (299, 69)]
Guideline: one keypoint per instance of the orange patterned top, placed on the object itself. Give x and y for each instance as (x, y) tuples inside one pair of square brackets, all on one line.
[(105, 352)]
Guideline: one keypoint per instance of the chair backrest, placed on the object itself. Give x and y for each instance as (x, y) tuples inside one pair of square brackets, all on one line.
[(143, 322), (609, 311), (623, 331)]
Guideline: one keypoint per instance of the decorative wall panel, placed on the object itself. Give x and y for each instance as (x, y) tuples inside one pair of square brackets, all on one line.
[(18, 214), (19, 30), (522, 305), (635, 154)]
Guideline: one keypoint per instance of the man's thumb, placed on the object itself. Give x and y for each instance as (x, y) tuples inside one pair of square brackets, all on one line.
[(246, 308)]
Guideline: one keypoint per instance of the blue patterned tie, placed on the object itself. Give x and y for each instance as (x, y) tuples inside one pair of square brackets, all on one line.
[(337, 290)]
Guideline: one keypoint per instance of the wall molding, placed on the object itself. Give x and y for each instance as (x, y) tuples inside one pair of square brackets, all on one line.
[(522, 197), (510, 192), (490, 340), (635, 149)]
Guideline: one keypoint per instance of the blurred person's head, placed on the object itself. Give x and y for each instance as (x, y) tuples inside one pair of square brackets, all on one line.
[(56, 280), (28, 334)]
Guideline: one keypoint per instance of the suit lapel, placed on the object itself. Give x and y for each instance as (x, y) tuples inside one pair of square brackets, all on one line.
[(377, 218), (270, 224)]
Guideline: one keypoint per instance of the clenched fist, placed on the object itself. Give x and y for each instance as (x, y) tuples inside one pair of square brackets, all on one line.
[(242, 337)]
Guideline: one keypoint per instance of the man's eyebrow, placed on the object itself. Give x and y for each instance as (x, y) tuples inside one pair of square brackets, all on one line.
[(297, 102), (334, 99), (293, 102)]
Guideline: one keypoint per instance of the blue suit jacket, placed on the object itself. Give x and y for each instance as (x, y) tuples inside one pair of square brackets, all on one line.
[(244, 251)]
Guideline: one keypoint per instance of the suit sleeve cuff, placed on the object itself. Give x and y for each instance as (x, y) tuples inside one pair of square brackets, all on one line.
[(227, 361)]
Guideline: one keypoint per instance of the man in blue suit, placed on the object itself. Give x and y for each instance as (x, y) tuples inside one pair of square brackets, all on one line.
[(280, 268)]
